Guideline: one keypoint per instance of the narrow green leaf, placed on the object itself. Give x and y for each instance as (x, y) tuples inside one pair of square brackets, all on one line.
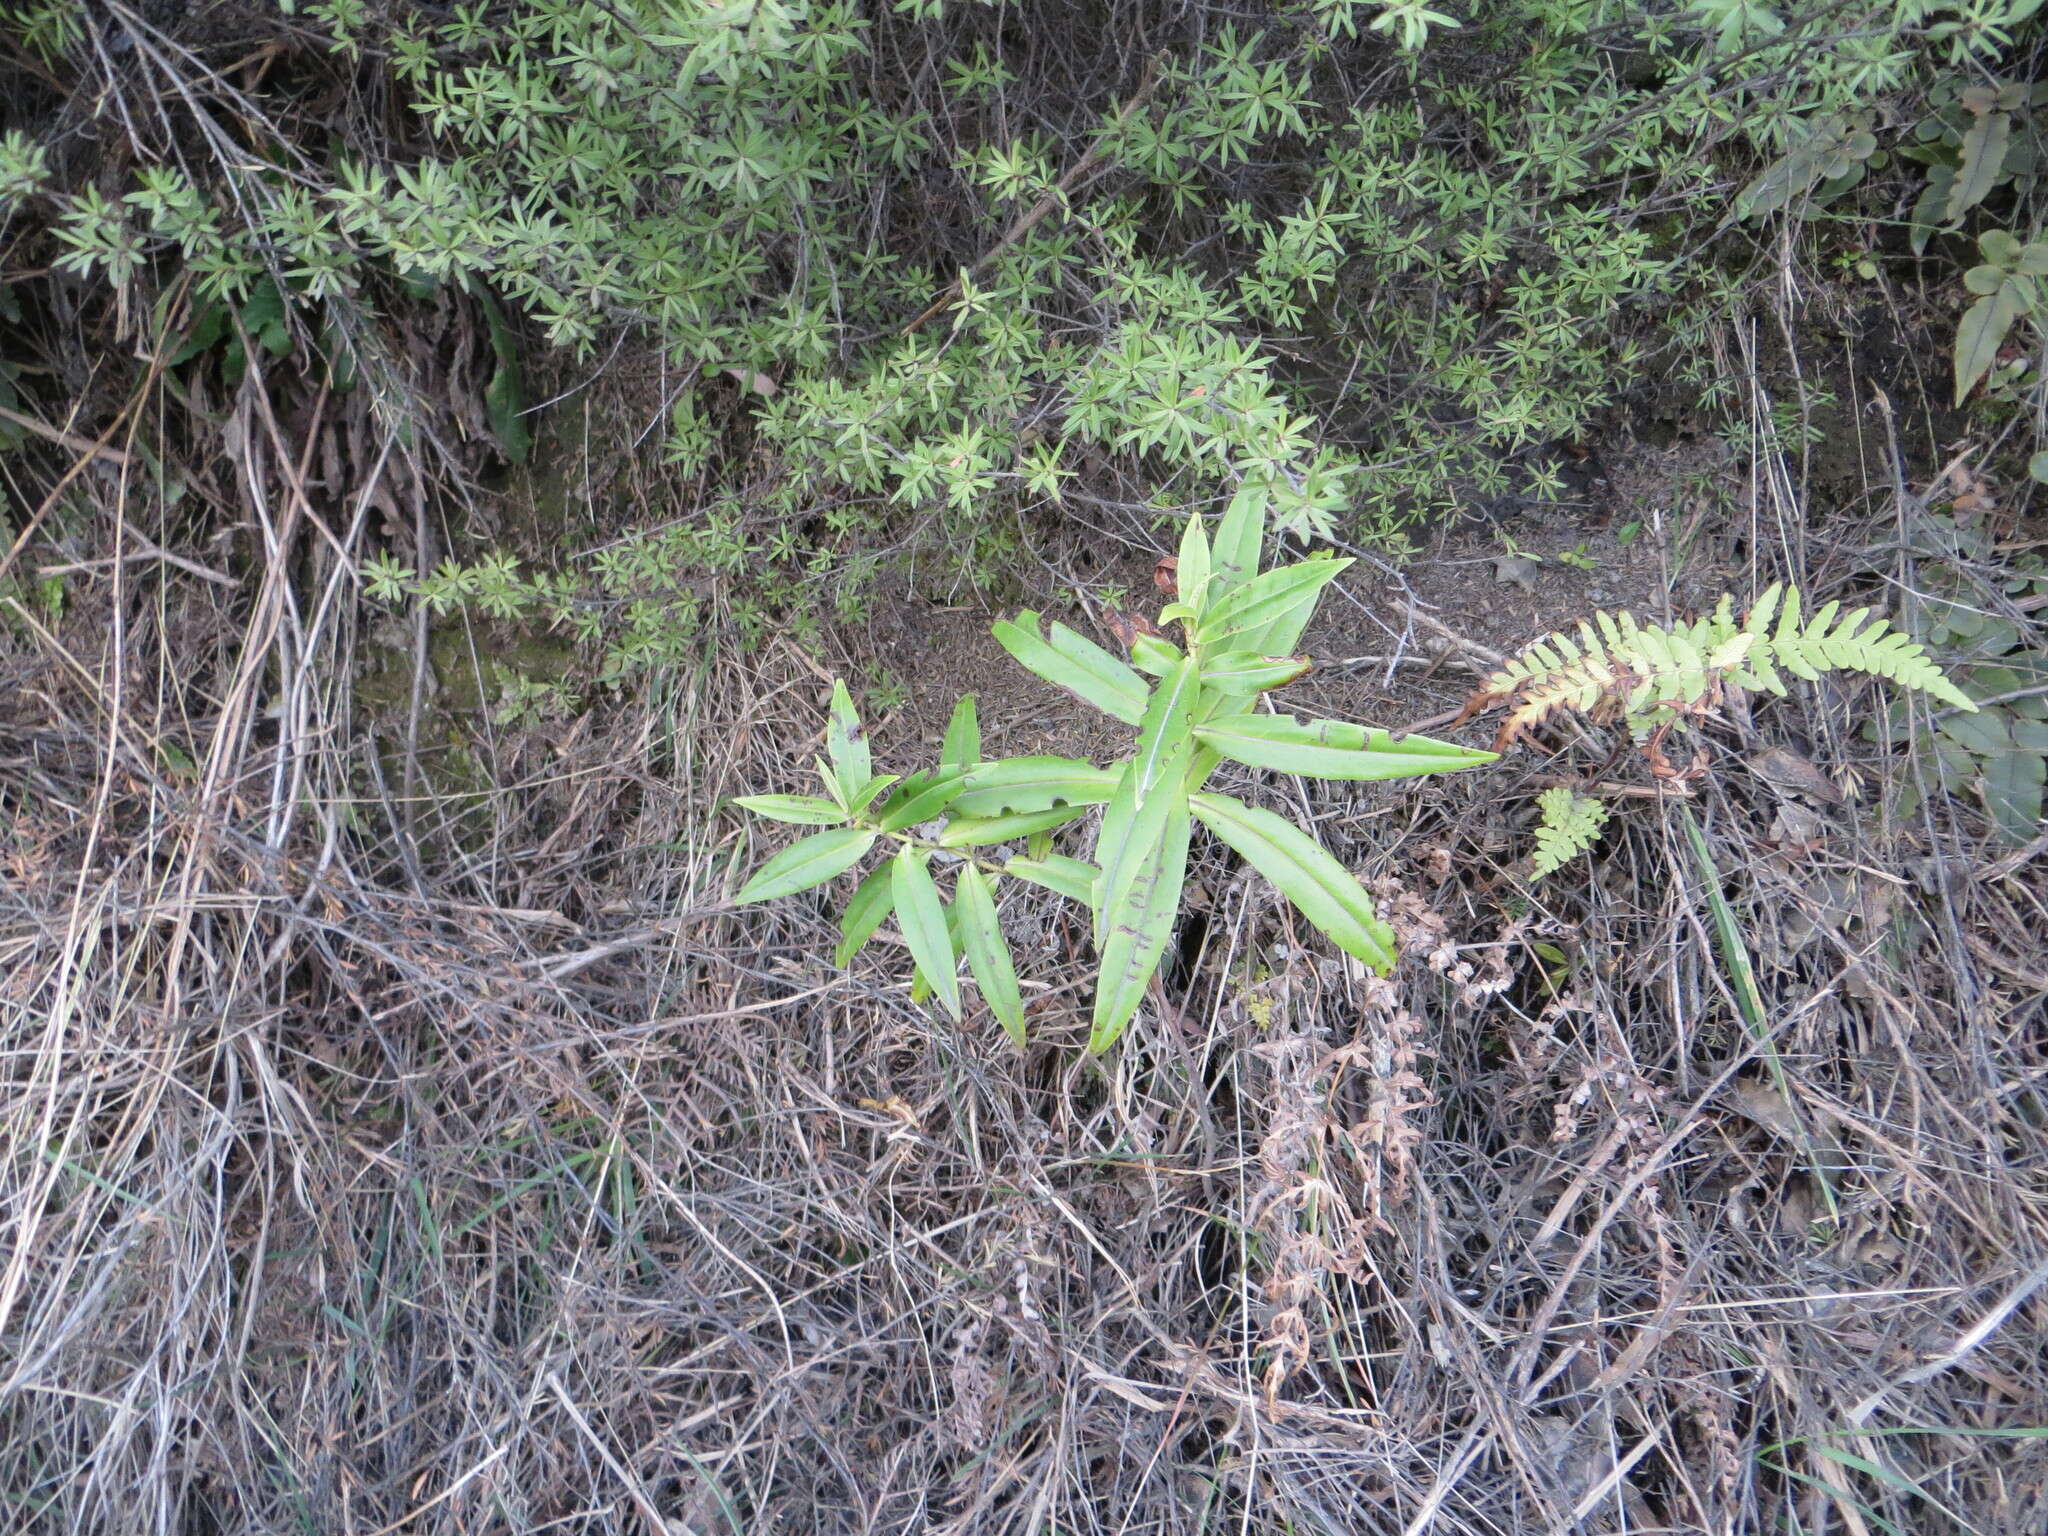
[(1154, 656), (921, 797), (1978, 337), (1930, 212), (962, 746), (1131, 829), (811, 862), (1071, 878), (846, 743), (1322, 890), (1163, 731), (982, 831), (829, 777), (1033, 784), (922, 917), (1078, 665), (868, 910), (1241, 673), (803, 810), (1140, 925), (988, 956), (1191, 570), (1284, 633), (1332, 749), (1776, 185), (1240, 620), (870, 792), (504, 407), (1981, 159), (1234, 558)]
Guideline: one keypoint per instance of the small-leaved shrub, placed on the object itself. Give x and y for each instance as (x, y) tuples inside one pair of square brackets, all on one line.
[(1981, 609)]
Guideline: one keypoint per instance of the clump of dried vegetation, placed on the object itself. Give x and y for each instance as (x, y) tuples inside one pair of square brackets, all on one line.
[(404, 1133)]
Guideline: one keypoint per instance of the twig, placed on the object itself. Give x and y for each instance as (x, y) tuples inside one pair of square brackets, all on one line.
[(635, 1489), (71, 440), (560, 967), (147, 552), (1056, 198), (1985, 1326)]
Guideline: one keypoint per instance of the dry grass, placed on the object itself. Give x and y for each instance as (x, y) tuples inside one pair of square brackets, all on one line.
[(470, 1165), (399, 1132)]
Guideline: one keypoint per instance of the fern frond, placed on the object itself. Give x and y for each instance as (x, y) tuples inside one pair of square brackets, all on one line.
[(1571, 824), (1651, 676)]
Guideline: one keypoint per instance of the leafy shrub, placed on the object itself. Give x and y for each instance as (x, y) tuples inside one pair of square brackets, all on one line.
[(1975, 610), (1237, 626), (902, 264)]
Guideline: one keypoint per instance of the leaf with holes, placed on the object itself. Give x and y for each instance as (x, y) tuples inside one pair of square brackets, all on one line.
[(1140, 922)]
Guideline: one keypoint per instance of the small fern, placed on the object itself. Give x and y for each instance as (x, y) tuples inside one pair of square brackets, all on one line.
[(1649, 677), (1571, 824)]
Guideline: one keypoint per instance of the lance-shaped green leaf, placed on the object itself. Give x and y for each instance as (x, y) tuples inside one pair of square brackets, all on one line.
[(846, 743), (1154, 656), (1332, 749), (1140, 925), (870, 792), (810, 862), (1979, 161), (1078, 665), (1191, 568), (1242, 673), (1234, 558), (1982, 331), (1321, 889), (1242, 620), (1033, 784), (1067, 877), (1137, 810), (1130, 833), (803, 810), (920, 984), (988, 956), (922, 917), (1168, 718), (868, 910), (962, 746), (1284, 633), (981, 831), (921, 797)]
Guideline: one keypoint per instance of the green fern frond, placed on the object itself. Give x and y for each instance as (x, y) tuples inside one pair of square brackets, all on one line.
[(1649, 676), (1571, 824)]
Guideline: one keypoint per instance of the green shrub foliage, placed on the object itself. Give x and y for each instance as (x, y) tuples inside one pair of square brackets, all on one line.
[(957, 258)]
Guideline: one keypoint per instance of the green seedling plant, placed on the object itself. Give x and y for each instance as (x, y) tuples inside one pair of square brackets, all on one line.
[(1193, 705)]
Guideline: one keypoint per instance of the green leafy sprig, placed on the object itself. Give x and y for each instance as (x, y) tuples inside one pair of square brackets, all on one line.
[(1237, 630)]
